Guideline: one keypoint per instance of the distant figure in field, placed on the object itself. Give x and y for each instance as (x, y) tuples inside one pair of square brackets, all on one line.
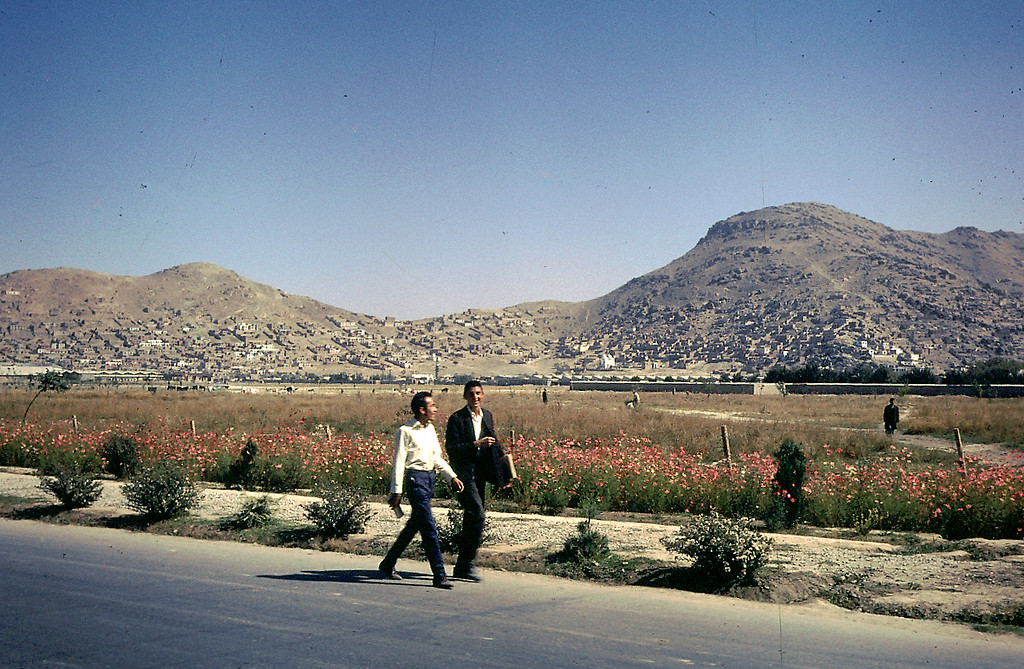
[(635, 402), (544, 396), (891, 416)]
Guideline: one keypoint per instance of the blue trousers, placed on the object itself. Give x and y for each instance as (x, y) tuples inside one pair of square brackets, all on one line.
[(419, 489)]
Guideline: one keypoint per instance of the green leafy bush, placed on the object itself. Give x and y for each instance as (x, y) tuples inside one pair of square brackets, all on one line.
[(587, 545), (283, 474), (449, 531), (120, 455), (552, 501), (255, 512), (724, 551), (240, 472), (342, 511), (72, 487), (787, 486), (161, 491)]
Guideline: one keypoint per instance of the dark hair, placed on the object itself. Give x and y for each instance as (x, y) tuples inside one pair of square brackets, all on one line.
[(419, 401), (471, 384)]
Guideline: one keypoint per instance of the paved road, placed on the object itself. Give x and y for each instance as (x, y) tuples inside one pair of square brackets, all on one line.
[(88, 597)]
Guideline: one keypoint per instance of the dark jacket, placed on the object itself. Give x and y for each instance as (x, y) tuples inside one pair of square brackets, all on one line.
[(469, 462)]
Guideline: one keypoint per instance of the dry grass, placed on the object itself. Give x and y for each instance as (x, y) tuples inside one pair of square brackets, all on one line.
[(691, 422)]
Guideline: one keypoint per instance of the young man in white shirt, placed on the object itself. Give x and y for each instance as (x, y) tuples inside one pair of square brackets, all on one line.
[(417, 460)]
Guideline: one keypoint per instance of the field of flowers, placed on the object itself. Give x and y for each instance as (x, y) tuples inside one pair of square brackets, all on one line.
[(884, 488)]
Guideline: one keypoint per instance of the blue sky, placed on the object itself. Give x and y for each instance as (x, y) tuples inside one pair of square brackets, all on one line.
[(415, 159)]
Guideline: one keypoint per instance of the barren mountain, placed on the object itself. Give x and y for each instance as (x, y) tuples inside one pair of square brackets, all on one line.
[(808, 282), (784, 285)]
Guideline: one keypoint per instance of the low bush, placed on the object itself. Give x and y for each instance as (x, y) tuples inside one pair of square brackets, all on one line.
[(449, 531), (255, 512), (726, 552), (161, 491), (120, 456), (552, 501), (72, 487), (587, 546), (286, 473), (340, 512)]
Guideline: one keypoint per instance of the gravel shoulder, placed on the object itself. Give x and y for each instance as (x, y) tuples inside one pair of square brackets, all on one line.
[(926, 577)]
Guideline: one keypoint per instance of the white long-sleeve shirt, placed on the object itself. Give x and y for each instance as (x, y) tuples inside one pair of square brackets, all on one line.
[(417, 447)]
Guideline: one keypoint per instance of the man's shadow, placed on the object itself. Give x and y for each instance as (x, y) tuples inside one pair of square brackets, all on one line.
[(351, 576)]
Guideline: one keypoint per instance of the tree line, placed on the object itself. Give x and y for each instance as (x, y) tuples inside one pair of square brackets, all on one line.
[(993, 371)]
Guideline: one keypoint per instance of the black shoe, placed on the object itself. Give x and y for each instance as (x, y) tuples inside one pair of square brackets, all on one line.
[(467, 575), (389, 573), (443, 583)]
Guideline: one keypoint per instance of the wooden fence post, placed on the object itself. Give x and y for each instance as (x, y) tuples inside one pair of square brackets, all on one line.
[(192, 426), (74, 421), (960, 452), (725, 445)]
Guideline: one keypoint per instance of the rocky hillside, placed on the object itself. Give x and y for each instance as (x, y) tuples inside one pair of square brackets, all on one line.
[(808, 282), (787, 285)]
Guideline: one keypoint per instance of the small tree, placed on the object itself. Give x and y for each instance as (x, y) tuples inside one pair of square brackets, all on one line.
[(47, 381)]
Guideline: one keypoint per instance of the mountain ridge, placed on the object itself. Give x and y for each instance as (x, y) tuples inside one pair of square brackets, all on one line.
[(785, 285)]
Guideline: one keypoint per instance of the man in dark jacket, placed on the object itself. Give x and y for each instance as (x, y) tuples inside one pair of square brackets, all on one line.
[(891, 416), (477, 458)]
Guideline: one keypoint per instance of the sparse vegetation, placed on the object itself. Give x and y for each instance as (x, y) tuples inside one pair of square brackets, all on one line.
[(254, 512)]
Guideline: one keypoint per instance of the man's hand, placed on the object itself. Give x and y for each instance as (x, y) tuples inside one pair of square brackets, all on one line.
[(458, 485), (484, 441)]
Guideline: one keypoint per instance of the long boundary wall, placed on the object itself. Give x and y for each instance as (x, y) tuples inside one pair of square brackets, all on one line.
[(728, 388)]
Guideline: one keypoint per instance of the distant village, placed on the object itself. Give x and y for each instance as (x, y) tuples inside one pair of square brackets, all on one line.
[(512, 343)]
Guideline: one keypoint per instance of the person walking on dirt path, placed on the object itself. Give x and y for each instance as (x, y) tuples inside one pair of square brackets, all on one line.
[(891, 416), (417, 461), (478, 458)]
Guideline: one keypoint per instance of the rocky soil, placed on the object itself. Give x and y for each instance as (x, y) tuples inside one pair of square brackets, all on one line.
[(920, 576)]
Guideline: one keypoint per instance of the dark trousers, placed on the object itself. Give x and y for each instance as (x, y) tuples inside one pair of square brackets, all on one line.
[(472, 502), (419, 489)]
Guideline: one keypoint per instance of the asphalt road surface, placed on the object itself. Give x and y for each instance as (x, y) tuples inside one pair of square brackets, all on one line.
[(87, 597)]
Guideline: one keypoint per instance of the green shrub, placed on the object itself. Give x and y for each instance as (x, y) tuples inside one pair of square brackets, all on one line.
[(120, 455), (255, 512), (552, 501), (240, 472), (724, 551), (72, 487), (787, 486), (161, 491), (587, 545), (449, 531), (342, 511), (284, 474)]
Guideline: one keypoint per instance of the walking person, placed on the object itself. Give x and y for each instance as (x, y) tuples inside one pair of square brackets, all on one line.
[(891, 416), (478, 458), (417, 460)]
